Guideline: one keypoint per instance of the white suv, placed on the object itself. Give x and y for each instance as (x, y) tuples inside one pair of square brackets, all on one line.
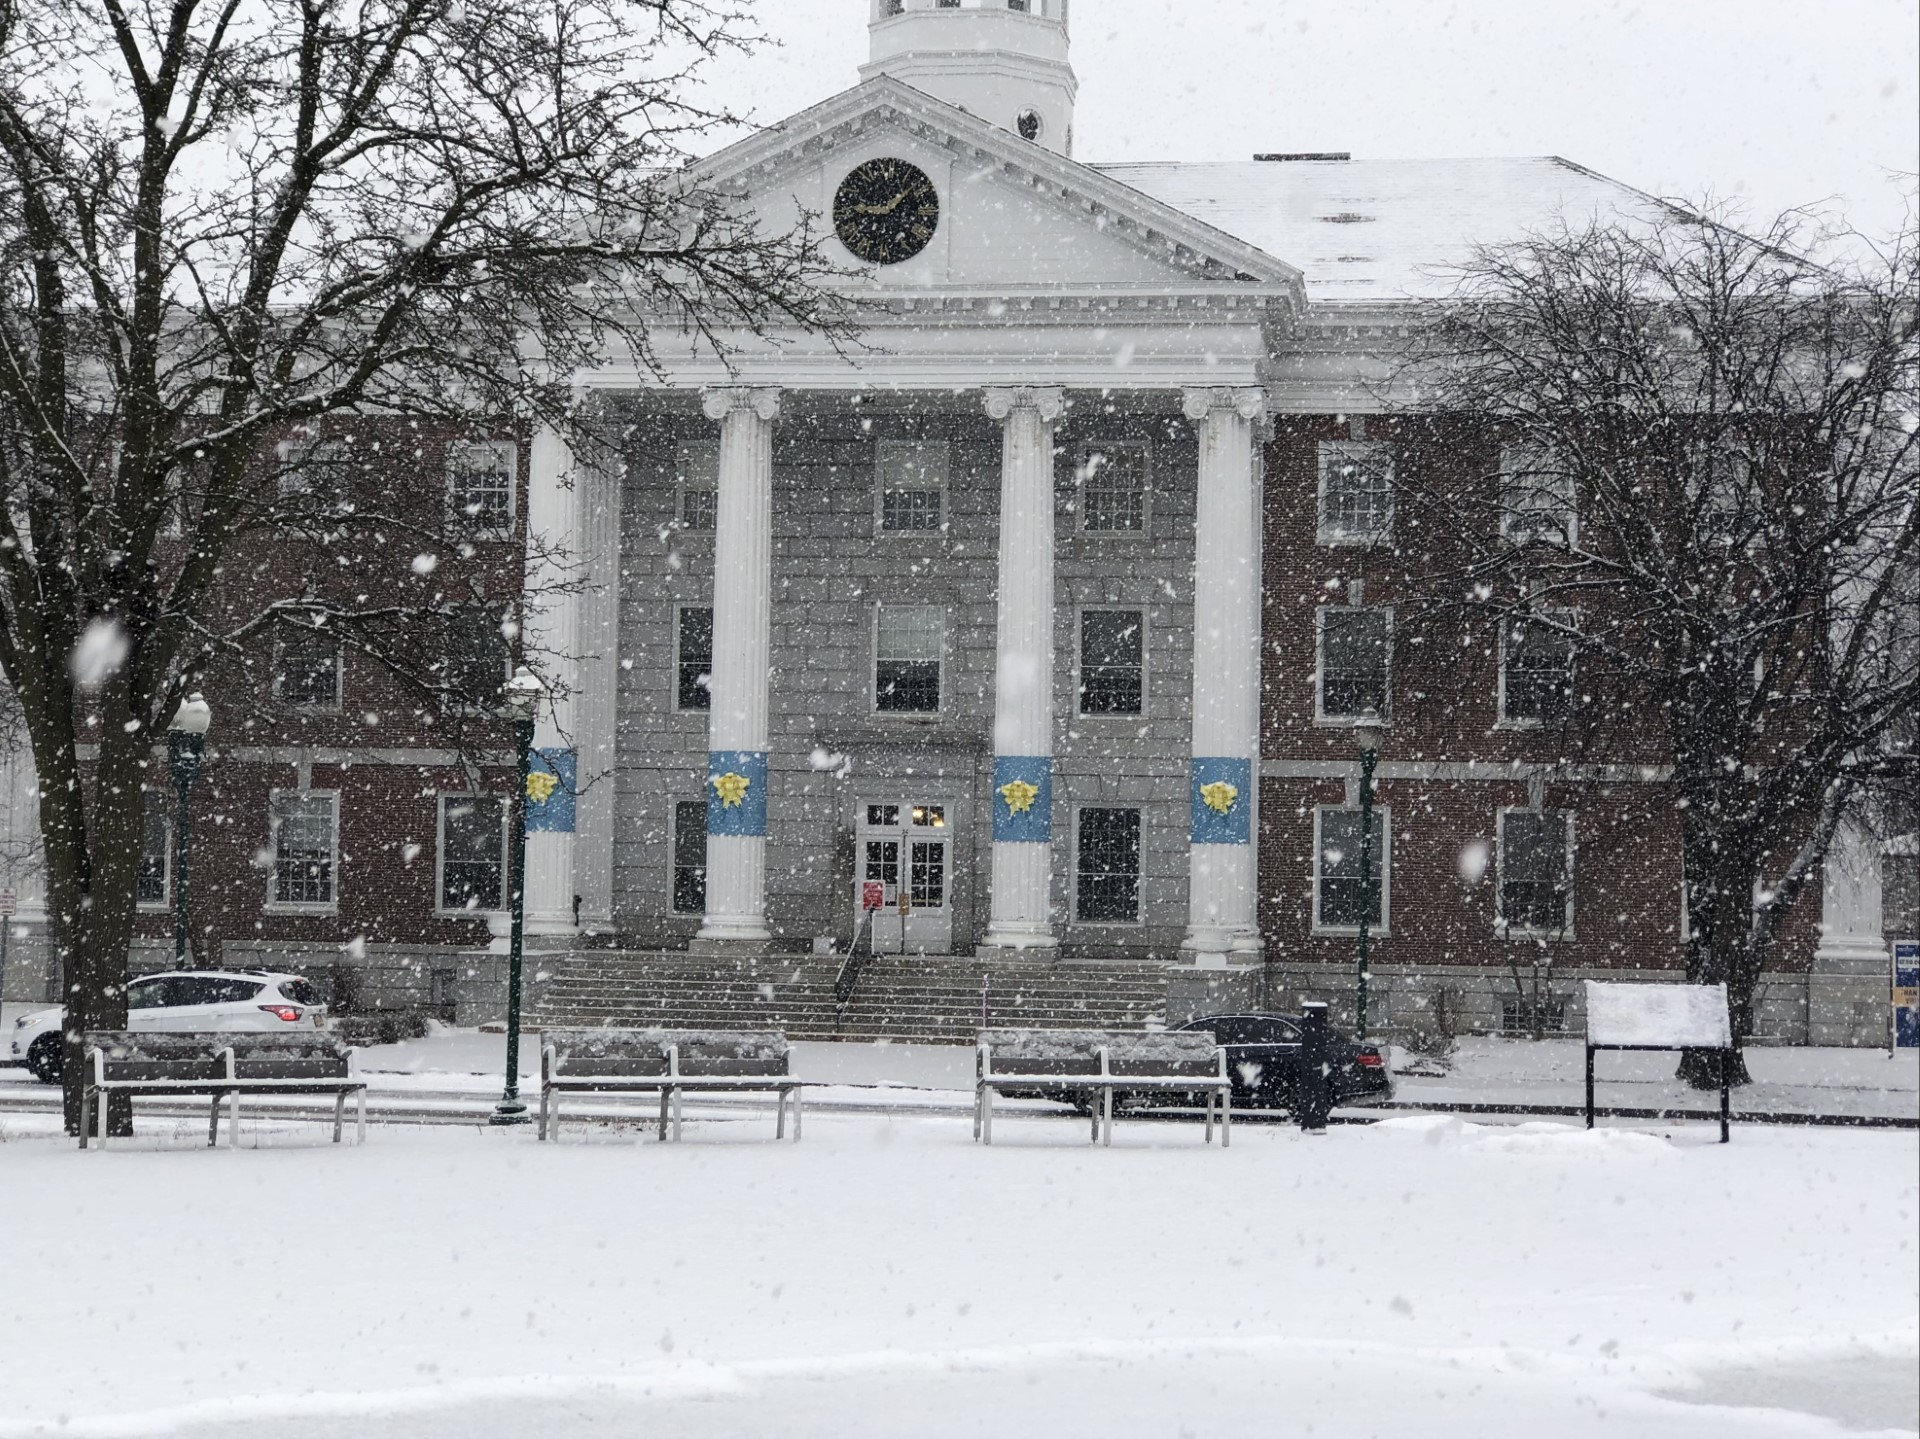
[(199, 999)]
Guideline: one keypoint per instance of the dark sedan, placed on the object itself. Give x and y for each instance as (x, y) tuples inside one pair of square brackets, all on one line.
[(1263, 1056)]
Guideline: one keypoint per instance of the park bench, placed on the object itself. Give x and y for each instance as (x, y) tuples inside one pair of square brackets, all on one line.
[(1097, 1064), (222, 1065), (670, 1063), (1661, 1016)]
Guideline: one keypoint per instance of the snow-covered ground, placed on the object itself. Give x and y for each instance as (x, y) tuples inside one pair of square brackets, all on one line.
[(1422, 1276)]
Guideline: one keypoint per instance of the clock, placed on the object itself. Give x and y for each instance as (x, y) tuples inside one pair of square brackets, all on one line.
[(885, 211)]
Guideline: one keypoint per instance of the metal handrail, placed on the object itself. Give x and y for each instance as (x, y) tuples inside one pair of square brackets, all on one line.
[(845, 982)]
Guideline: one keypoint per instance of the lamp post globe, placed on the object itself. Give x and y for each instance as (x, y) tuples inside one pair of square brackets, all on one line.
[(520, 699), (1367, 733), (186, 746)]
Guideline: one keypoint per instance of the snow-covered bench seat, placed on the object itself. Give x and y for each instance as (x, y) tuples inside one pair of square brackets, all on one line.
[(221, 1064), (669, 1062), (1062, 1063)]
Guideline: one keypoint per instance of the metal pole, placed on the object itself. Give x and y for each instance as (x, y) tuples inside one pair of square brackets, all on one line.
[(183, 756), (1367, 760), (511, 1110)]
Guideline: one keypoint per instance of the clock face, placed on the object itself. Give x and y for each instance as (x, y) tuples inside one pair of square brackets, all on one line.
[(886, 211)]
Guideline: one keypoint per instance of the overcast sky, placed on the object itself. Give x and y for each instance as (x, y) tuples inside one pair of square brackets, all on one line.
[(1775, 103)]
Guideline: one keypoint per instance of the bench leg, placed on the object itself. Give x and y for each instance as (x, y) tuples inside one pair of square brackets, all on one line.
[(986, 1115), (676, 1114), (213, 1122), (233, 1120), (339, 1114), (779, 1114), (86, 1114), (1106, 1116), (542, 1130), (663, 1114), (1213, 1098)]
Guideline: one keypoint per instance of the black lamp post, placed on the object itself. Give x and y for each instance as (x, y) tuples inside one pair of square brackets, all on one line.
[(520, 698), (1366, 734), (186, 744)]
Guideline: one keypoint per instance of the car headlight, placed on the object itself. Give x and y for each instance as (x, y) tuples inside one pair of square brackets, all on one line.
[(23, 1021)]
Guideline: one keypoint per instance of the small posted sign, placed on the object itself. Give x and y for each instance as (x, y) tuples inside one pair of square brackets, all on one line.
[(1906, 993), (9, 904), (873, 894)]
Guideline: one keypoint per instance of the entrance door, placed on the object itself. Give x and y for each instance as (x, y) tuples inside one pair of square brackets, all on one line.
[(904, 857)]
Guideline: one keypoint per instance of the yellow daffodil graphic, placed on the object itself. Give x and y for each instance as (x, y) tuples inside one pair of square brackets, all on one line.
[(1219, 796), (1019, 795), (541, 785), (731, 787)]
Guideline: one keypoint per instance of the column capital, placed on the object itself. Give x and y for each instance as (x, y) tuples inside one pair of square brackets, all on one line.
[(722, 401), (1049, 400), (1249, 402)]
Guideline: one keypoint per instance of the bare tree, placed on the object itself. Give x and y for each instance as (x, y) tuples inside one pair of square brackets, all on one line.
[(1696, 531), (223, 218)]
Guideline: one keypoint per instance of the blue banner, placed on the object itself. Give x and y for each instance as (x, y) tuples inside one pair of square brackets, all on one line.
[(1906, 993), (552, 789), (1023, 799), (1222, 800), (737, 792)]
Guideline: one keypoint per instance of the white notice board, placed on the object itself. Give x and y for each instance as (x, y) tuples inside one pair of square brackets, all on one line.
[(1692, 1016)]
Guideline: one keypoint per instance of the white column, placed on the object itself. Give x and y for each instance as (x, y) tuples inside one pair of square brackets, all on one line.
[(556, 531), (737, 739), (1022, 797), (595, 711), (1850, 914), (1223, 885)]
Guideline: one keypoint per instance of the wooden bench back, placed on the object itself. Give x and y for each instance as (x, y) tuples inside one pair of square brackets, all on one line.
[(642, 1053), (310, 1055), (1014, 1052), (137, 1055)]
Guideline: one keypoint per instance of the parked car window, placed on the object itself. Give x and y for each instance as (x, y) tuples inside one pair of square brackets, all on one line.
[(299, 991), (1271, 1031), (149, 994), (235, 991), (1223, 1030), (193, 989)]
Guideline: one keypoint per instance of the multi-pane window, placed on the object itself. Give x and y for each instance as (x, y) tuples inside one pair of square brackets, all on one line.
[(909, 642), (693, 658), (311, 473), (478, 656), (306, 670), (1723, 494), (1536, 497), (697, 475), (1341, 892), (1536, 668), (480, 488), (690, 856), (472, 841), (1356, 492), (913, 486), (1536, 871), (1112, 662), (305, 831), (1356, 646), (151, 881), (1113, 488), (1107, 866)]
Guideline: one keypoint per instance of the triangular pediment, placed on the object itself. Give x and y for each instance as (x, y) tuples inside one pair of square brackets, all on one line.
[(1014, 218)]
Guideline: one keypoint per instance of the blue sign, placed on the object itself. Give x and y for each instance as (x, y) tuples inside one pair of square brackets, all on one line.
[(1222, 800), (1906, 993), (1023, 799), (737, 792), (552, 789)]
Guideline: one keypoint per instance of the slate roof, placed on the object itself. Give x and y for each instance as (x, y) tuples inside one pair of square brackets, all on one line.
[(1381, 230)]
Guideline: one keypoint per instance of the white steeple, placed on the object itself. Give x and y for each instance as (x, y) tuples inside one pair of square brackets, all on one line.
[(1004, 61)]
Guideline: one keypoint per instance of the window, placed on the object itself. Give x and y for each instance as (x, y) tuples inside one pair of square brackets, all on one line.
[(1114, 483), (1340, 894), (1356, 647), (311, 475), (913, 486), (305, 840), (306, 672), (697, 477), (1112, 662), (1536, 497), (480, 488), (1536, 872), (478, 658), (1356, 492), (693, 658), (472, 843), (1107, 866), (908, 645), (1536, 669), (152, 882), (1723, 494), (149, 993), (690, 857)]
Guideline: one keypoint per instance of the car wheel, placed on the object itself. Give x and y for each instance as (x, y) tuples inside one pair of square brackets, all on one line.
[(43, 1059)]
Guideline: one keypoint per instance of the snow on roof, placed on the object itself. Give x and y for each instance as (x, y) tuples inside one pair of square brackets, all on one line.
[(1381, 230)]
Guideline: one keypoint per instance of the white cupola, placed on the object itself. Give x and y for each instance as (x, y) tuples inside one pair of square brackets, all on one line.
[(1004, 61)]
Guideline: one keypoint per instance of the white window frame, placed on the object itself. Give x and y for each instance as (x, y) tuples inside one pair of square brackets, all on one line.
[(945, 488), (873, 665), (277, 906), (673, 680), (1320, 715), (1501, 928), (1139, 919), (1325, 532), (1510, 512), (1080, 454), (1080, 655), (1504, 720), (467, 526), (1383, 841), (284, 454), (673, 851), (339, 681), (165, 902), (441, 909), (682, 449)]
